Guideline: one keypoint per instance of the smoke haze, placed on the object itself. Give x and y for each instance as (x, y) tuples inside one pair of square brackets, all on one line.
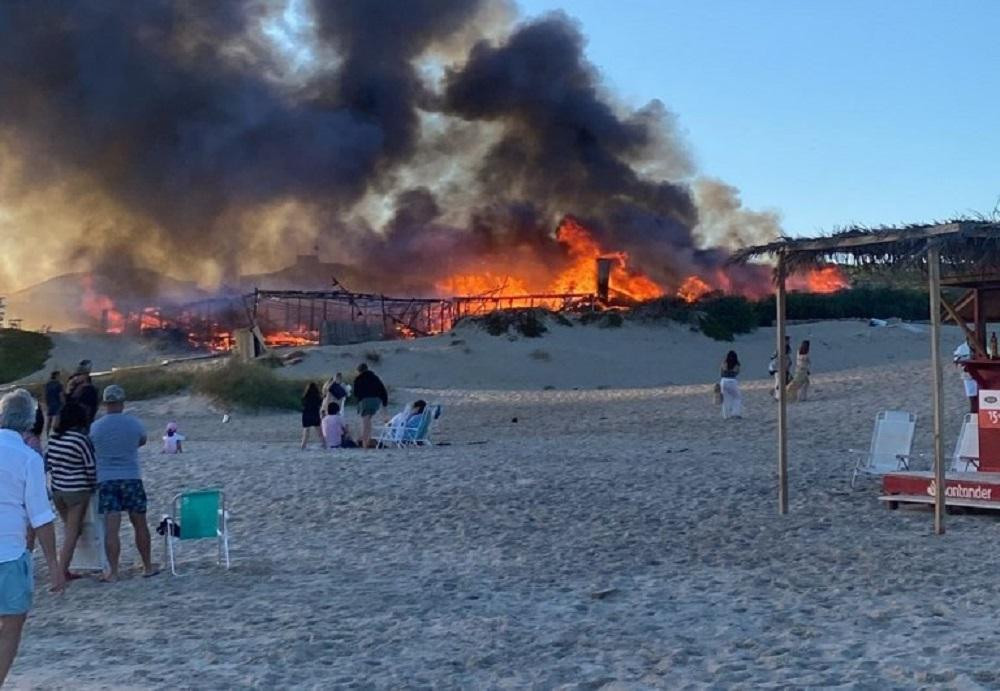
[(210, 139)]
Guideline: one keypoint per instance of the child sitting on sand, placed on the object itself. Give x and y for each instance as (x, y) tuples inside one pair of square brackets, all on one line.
[(335, 432), (172, 439)]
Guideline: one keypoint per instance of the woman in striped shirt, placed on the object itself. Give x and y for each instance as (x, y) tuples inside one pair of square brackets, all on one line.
[(69, 460)]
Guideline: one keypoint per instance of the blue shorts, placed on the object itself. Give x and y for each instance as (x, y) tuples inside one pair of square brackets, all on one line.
[(16, 585), (115, 496)]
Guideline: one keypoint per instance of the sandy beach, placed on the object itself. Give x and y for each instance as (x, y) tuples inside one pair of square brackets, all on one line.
[(620, 537)]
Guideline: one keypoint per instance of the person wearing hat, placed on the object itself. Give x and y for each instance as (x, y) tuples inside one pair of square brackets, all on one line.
[(117, 437)]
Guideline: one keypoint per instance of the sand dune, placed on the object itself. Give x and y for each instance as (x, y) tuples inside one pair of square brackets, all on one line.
[(610, 538)]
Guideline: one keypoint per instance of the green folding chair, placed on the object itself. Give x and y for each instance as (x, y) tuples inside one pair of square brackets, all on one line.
[(198, 515)]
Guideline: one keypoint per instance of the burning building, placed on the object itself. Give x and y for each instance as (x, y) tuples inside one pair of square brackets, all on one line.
[(438, 149)]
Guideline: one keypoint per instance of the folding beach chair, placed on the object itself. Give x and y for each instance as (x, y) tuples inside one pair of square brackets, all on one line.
[(966, 456), (422, 435), (391, 434), (198, 515), (892, 439)]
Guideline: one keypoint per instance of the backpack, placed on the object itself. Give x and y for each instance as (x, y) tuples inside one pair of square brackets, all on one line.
[(337, 392)]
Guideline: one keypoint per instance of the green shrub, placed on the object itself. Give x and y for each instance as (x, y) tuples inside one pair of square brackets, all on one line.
[(143, 384), (22, 353), (733, 314), (373, 356), (249, 386), (715, 329), (611, 320), (530, 324)]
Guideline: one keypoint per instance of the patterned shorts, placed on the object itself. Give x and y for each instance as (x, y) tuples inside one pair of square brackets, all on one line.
[(115, 496)]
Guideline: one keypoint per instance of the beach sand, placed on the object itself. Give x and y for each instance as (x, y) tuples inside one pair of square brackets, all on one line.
[(618, 537)]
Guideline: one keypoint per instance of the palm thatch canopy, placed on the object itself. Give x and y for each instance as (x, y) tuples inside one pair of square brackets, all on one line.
[(969, 248)]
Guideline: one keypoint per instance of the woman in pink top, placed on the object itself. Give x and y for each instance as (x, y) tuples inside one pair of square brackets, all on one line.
[(335, 430)]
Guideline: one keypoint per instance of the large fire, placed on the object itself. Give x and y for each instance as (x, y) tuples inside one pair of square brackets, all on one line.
[(579, 275), (507, 284)]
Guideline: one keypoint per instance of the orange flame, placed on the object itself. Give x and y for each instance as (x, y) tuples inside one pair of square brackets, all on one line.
[(828, 279), (100, 307), (578, 276), (693, 289)]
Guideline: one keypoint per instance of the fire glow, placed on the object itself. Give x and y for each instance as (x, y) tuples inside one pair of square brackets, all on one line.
[(558, 281)]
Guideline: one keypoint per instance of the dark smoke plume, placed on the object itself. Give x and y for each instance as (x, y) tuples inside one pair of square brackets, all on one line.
[(184, 116)]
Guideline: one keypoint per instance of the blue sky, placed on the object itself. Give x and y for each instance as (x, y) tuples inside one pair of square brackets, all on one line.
[(829, 112)]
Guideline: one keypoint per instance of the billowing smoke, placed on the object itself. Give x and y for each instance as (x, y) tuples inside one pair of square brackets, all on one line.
[(209, 139)]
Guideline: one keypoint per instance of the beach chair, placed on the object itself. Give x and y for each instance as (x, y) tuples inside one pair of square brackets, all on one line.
[(966, 456), (892, 439), (392, 432), (422, 435), (198, 515)]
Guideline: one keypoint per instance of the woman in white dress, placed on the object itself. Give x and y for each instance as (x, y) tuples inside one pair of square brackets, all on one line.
[(729, 385)]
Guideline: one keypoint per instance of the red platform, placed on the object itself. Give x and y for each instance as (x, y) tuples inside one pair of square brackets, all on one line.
[(980, 490)]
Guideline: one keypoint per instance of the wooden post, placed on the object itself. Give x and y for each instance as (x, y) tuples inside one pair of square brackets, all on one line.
[(934, 279), (782, 395)]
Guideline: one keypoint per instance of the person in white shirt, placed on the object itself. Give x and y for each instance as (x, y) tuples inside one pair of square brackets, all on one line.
[(23, 503)]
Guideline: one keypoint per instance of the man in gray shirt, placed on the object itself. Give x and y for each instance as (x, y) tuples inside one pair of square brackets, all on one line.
[(117, 438)]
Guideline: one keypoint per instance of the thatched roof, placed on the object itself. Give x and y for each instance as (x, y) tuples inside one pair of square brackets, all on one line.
[(966, 246)]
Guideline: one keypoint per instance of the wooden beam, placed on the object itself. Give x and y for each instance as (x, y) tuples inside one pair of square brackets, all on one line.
[(863, 240), (934, 285), (970, 334), (779, 302)]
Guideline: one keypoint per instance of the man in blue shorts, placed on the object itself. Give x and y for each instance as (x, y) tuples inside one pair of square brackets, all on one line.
[(117, 437), (23, 502)]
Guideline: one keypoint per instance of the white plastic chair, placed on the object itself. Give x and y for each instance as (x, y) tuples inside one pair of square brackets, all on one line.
[(892, 439), (966, 454)]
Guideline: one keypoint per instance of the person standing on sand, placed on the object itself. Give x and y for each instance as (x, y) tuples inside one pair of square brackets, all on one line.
[(335, 391), (117, 438), (798, 389), (729, 385), (54, 398), (772, 368), (69, 460), (372, 395), (312, 399), (23, 502)]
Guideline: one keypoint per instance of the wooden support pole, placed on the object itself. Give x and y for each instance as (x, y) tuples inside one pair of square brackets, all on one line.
[(782, 395), (970, 335), (934, 280)]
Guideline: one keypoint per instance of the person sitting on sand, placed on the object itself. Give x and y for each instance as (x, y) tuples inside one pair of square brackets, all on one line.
[(372, 395), (117, 438), (23, 502), (729, 386), (172, 439), (312, 399), (69, 460), (798, 389), (335, 430)]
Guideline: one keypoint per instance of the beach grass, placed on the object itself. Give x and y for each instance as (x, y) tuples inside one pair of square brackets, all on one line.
[(144, 384), (22, 353), (249, 387)]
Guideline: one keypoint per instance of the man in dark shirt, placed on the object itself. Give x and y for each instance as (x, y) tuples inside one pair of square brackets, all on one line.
[(371, 395), (53, 400)]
